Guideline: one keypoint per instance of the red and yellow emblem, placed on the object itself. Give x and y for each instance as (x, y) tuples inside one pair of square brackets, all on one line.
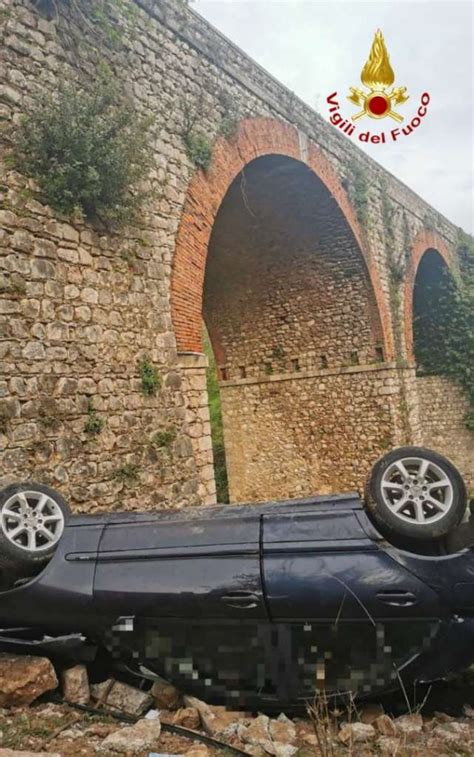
[(377, 75)]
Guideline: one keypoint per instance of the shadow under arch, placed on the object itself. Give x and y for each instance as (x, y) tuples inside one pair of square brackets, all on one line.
[(256, 138), (440, 259), (285, 284)]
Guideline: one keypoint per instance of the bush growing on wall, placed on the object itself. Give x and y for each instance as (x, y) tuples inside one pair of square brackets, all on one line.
[(87, 150), (199, 149)]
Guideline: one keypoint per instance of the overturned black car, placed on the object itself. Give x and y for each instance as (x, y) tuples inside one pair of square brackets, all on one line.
[(253, 604)]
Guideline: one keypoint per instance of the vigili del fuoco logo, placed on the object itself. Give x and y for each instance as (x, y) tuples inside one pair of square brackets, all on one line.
[(379, 99)]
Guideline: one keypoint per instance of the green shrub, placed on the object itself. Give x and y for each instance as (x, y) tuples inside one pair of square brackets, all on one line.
[(199, 149), (87, 150), (151, 381), (278, 352), (128, 473), (164, 439), (229, 126), (99, 17), (94, 424)]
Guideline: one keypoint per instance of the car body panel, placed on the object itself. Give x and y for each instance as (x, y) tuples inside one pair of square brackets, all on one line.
[(182, 568), (61, 597), (254, 604), (310, 574)]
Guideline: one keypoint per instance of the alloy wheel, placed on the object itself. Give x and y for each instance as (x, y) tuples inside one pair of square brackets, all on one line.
[(32, 520), (417, 490)]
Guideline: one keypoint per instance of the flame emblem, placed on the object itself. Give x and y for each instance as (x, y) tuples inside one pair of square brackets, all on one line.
[(377, 75)]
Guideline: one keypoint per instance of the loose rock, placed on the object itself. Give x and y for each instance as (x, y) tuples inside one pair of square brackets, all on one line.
[(75, 682), (385, 726), (389, 746), (50, 710), (121, 696), (284, 750), (188, 717), (257, 733), (143, 735), (214, 720), (453, 733), (15, 753), (100, 690), (409, 724), (198, 751), (283, 731), (353, 733), (255, 751), (166, 696), (23, 679)]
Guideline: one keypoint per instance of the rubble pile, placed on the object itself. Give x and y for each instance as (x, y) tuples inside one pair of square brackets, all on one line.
[(29, 724)]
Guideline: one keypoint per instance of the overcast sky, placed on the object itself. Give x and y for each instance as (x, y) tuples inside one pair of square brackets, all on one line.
[(316, 48)]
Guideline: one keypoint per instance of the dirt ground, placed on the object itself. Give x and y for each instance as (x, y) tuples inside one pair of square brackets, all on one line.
[(61, 729)]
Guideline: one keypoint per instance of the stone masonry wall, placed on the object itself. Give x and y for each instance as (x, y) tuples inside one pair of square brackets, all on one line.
[(443, 407), (193, 366), (81, 308), (302, 423)]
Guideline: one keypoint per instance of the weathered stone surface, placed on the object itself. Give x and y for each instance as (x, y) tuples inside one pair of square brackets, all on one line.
[(284, 750), (166, 696), (24, 679), (275, 737), (298, 328), (188, 717), (257, 733), (143, 735), (385, 725), (75, 685), (409, 724), (282, 730), (213, 719), (198, 751), (51, 710), (15, 753), (354, 733), (121, 696), (454, 733), (389, 745)]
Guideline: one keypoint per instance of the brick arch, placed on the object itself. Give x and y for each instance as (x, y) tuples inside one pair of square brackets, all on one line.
[(425, 240), (256, 138)]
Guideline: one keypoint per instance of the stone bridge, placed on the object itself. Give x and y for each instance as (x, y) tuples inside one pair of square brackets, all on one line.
[(305, 259)]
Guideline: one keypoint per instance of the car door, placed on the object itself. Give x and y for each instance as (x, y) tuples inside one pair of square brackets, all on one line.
[(351, 614), (184, 565), (185, 592)]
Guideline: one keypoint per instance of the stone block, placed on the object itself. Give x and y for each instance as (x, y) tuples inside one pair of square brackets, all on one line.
[(24, 679), (75, 685)]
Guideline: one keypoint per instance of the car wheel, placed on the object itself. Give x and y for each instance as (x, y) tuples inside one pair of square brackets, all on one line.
[(32, 521), (416, 493)]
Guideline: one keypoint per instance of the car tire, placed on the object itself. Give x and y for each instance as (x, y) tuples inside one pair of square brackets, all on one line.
[(32, 521), (416, 493)]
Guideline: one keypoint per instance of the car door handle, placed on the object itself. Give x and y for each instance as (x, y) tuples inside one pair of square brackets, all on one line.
[(396, 598), (242, 599)]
